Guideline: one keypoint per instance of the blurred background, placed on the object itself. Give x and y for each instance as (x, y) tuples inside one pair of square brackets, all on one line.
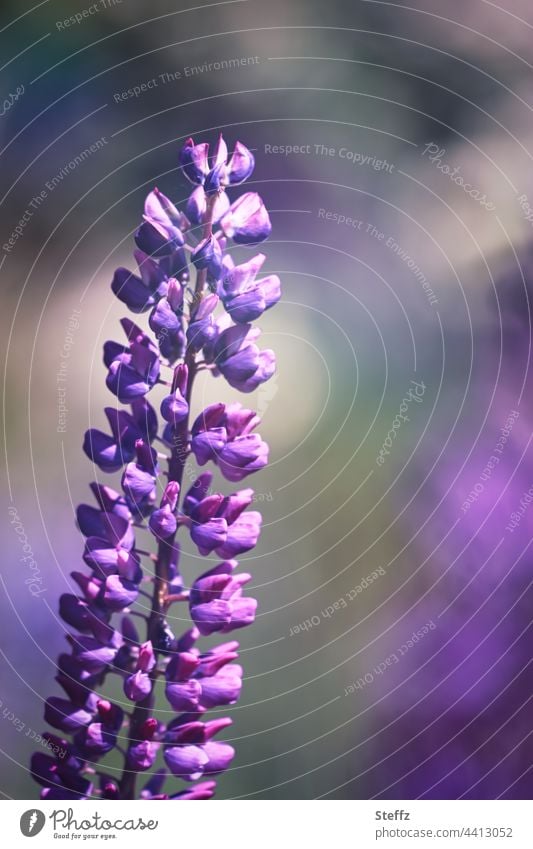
[(391, 655)]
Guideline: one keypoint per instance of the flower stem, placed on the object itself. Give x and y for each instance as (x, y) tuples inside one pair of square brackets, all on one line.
[(176, 467)]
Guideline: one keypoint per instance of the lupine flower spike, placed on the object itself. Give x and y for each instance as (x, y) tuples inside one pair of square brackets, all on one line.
[(201, 305)]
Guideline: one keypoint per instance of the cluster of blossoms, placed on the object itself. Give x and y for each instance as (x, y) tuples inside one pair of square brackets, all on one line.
[(202, 327)]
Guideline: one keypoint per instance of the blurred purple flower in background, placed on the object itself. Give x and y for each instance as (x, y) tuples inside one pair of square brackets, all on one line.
[(186, 326), (456, 709)]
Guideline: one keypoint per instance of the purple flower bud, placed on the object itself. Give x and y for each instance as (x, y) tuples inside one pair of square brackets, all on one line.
[(241, 164), (76, 681), (95, 740), (137, 686), (219, 656), (219, 757), (239, 421), (188, 640), (202, 790), (193, 159), (164, 319), (250, 303), (202, 328), (110, 453), (89, 520), (78, 613), (131, 290), (146, 660), (216, 602), (239, 359), (242, 456), (158, 207), (139, 480), (224, 688), (144, 416), (172, 345), (208, 255), (160, 233), (220, 153), (108, 500), (133, 371), (212, 417), (184, 663), (141, 756), (163, 522), (215, 180), (139, 293), (187, 762), (119, 593), (209, 535), (108, 559), (208, 444), (213, 433), (174, 408), (207, 508), (238, 278), (197, 492), (60, 777), (109, 788), (247, 221), (115, 530), (242, 535), (94, 655), (186, 736), (184, 696), (197, 206), (129, 631), (175, 294), (59, 713), (89, 585)]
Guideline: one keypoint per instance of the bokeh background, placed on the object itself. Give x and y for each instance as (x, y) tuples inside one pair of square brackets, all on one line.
[(430, 281)]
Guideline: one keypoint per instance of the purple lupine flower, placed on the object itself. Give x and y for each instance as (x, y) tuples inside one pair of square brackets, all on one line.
[(197, 682), (216, 600), (187, 326), (175, 407), (61, 777), (191, 751), (163, 522), (218, 523), (139, 479), (208, 255), (139, 293), (247, 221), (138, 685), (216, 172), (193, 159), (161, 231), (134, 370), (222, 434), (110, 452), (143, 752), (197, 206), (239, 359), (203, 327), (246, 298)]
